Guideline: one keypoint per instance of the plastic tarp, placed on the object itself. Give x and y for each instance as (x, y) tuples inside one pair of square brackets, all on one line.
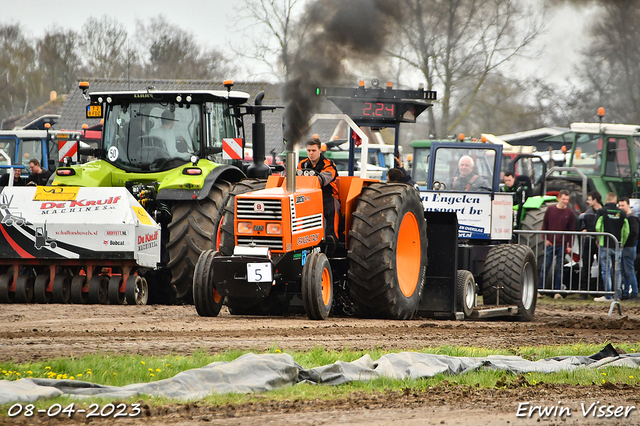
[(260, 373)]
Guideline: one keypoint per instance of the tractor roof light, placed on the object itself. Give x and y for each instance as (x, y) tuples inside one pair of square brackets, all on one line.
[(228, 84), (601, 112), (461, 137)]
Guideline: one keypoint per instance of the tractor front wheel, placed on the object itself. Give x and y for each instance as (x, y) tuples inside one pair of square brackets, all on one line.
[(317, 286), (207, 300)]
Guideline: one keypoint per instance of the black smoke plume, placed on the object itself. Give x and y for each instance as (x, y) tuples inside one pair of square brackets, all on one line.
[(341, 30)]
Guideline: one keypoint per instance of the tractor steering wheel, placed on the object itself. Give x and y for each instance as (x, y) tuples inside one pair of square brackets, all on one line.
[(437, 185), (307, 172)]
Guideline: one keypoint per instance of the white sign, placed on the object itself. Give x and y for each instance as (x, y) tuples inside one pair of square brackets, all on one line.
[(113, 153), (473, 211), (259, 272), (502, 217)]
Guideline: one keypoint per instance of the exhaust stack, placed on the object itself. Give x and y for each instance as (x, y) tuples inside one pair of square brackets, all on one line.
[(291, 172), (258, 169)]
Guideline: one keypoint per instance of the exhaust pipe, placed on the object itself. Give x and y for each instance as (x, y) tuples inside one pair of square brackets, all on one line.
[(291, 172), (258, 169)]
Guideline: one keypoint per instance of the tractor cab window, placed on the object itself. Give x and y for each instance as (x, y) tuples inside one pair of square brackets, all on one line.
[(8, 146), (420, 165), (464, 169), (28, 150), (588, 153), (617, 164), (152, 136), (221, 125)]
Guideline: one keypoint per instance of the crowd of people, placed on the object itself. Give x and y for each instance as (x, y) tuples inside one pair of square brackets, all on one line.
[(38, 175), (615, 217)]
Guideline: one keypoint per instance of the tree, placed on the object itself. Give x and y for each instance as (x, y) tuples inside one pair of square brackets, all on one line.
[(17, 67), (457, 44), (58, 60), (105, 48), (275, 30), (609, 72), (171, 52)]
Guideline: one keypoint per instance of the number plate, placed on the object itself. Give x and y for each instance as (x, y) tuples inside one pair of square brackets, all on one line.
[(259, 272), (94, 111)]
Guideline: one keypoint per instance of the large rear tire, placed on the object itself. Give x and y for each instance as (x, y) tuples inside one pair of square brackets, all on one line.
[(207, 300), (387, 252), (512, 267), (576, 201), (226, 231), (191, 231), (317, 286), (533, 222)]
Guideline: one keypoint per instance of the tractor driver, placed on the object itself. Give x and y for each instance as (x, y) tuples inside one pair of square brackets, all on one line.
[(166, 132), (327, 174), (466, 179)]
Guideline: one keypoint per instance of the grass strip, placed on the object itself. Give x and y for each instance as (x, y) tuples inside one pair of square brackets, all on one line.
[(120, 370)]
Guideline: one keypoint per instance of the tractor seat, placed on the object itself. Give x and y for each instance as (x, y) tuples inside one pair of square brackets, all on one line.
[(524, 181)]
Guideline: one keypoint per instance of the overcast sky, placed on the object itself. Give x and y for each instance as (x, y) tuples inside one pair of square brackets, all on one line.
[(211, 22)]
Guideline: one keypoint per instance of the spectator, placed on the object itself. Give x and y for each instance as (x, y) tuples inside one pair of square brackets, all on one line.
[(4, 179), (629, 281), (38, 176), (399, 174), (327, 173), (589, 247), (557, 218), (614, 221), (509, 183)]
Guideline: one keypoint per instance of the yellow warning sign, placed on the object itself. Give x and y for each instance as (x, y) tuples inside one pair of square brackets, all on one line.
[(142, 215), (56, 193)]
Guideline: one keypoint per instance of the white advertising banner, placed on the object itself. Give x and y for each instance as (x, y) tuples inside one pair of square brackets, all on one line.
[(76, 223), (474, 212)]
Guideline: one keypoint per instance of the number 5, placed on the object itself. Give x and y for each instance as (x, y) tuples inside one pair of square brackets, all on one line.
[(258, 274)]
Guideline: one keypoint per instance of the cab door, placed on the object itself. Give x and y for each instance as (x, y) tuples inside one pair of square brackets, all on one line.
[(618, 175)]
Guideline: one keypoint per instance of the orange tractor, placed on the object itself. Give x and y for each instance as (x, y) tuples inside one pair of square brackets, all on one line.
[(272, 246)]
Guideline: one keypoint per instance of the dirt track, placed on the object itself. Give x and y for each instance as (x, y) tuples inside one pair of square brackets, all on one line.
[(32, 332)]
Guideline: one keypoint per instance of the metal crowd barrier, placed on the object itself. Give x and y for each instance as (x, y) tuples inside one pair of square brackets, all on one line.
[(582, 269)]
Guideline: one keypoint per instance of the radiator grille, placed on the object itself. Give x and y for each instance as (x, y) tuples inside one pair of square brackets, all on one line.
[(246, 209), (274, 243)]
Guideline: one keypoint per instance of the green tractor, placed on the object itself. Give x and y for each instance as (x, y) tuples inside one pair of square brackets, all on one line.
[(168, 148)]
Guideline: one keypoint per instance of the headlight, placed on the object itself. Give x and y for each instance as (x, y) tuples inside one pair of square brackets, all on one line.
[(245, 227), (274, 228)]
